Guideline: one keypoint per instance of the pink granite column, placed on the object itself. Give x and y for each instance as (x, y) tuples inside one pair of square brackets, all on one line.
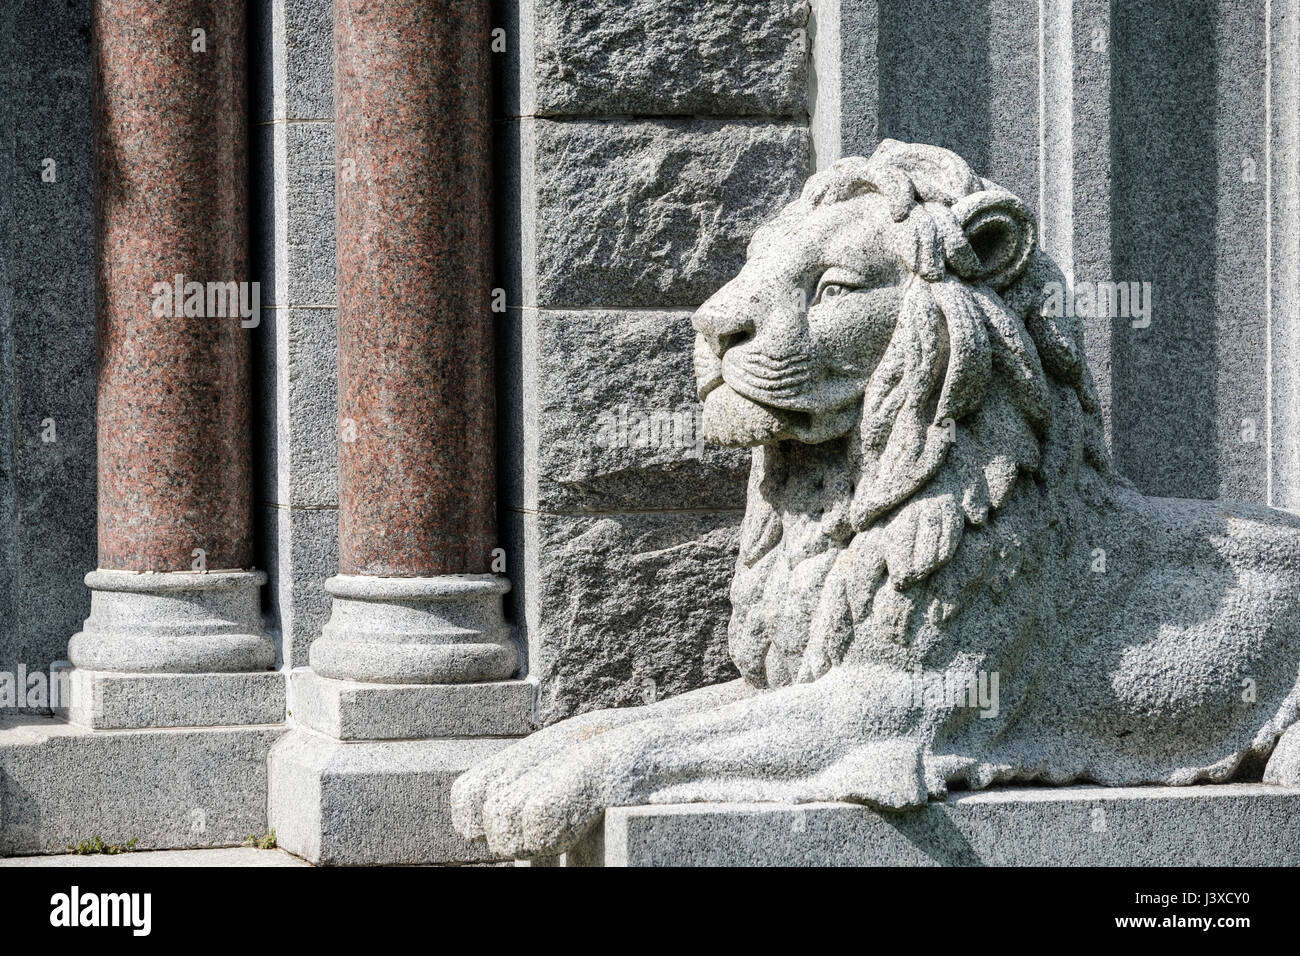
[(413, 600), (174, 590)]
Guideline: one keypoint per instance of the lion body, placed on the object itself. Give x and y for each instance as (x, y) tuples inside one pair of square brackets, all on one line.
[(1144, 640), (1134, 639)]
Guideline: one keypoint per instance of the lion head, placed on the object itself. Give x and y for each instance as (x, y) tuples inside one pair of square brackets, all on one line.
[(886, 353)]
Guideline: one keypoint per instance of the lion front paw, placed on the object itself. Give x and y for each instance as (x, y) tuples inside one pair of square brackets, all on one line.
[(800, 744)]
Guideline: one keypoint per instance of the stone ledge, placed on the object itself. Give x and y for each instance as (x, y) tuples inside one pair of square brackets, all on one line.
[(236, 856), (111, 701), (166, 788), (348, 710), (1224, 825)]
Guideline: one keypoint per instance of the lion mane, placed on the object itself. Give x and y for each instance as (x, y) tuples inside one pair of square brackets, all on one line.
[(979, 435)]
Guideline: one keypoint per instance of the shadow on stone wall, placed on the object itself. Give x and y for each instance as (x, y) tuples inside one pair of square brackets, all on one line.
[(47, 329)]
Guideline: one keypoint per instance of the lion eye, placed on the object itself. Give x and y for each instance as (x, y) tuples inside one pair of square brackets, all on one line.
[(833, 290), (836, 282)]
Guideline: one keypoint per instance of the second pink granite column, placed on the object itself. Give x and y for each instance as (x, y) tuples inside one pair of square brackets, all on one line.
[(413, 600)]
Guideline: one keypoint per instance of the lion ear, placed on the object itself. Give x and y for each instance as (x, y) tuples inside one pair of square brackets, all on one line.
[(1001, 233)]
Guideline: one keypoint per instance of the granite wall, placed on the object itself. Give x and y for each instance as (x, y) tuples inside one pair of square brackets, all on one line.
[(295, 361), (1157, 141), (47, 329), (638, 146)]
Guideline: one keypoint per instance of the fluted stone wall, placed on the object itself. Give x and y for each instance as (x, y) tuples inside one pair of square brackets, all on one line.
[(1156, 140)]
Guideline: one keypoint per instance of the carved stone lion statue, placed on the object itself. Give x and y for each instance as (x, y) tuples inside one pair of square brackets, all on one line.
[(941, 582)]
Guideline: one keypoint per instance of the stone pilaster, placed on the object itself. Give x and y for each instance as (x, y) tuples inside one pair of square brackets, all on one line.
[(175, 592)]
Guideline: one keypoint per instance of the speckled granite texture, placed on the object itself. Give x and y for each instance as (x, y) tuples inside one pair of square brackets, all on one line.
[(412, 95), (1232, 825), (170, 197)]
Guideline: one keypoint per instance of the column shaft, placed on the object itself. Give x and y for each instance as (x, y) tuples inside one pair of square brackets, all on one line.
[(413, 120), (171, 200)]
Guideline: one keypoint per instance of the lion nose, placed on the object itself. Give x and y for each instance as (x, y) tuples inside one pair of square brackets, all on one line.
[(725, 320)]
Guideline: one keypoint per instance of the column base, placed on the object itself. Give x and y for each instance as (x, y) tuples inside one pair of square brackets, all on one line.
[(173, 622), (407, 690), (438, 630), (350, 710), (102, 700), (369, 803)]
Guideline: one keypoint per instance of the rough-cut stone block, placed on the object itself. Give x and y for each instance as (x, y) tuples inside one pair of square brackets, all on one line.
[(1228, 825), (618, 425), (662, 57), (110, 701), (371, 803), (300, 550), (168, 789), (655, 213), (348, 710), (627, 608)]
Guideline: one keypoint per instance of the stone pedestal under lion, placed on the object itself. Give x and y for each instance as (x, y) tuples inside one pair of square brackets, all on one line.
[(942, 582)]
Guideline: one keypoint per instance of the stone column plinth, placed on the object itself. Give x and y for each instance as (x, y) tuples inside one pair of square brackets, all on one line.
[(413, 602), (175, 591)]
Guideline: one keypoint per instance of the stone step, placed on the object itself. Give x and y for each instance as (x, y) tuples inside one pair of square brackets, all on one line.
[(225, 856), (175, 788), (372, 802), (1243, 824)]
